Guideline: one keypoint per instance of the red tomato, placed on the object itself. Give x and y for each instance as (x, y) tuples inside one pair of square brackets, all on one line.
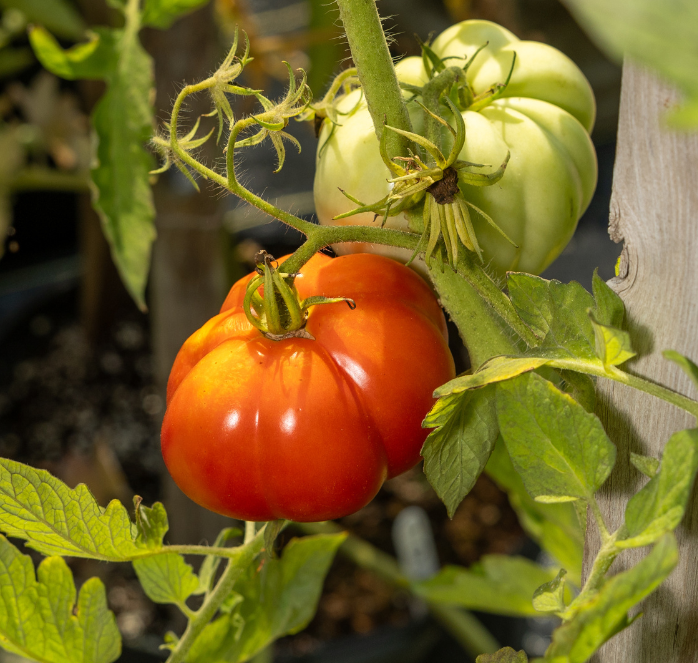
[(304, 429)]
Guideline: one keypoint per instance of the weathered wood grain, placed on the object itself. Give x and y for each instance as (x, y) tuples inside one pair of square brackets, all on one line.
[(654, 211), (188, 275)]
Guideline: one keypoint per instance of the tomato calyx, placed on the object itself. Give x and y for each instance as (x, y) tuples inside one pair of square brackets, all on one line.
[(446, 212), (272, 303)]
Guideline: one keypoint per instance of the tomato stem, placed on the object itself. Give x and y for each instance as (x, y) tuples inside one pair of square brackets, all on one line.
[(369, 50), (235, 568)]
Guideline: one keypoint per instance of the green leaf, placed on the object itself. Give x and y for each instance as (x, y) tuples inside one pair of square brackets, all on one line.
[(57, 520), (276, 600), (506, 655), (496, 369), (497, 583), (151, 522), (554, 527), (613, 345), (581, 387), (610, 310), (39, 619), (163, 13), (550, 597), (456, 453), (58, 16), (560, 450), (166, 578), (685, 363), (645, 464), (93, 59), (659, 507), (606, 612), (123, 120), (557, 312), (660, 35)]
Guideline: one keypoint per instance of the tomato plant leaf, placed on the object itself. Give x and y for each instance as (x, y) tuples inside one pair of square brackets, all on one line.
[(497, 583), (555, 527), (685, 363), (613, 345), (645, 464), (93, 59), (560, 450), (39, 618), (123, 120), (550, 597), (57, 520), (276, 599), (606, 612), (558, 312), (163, 13), (496, 369), (58, 16), (506, 655), (456, 453), (661, 35), (610, 310), (659, 507), (581, 387), (151, 522), (166, 578)]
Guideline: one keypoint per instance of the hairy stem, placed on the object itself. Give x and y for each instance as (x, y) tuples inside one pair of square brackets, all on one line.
[(679, 400), (322, 236), (177, 149), (484, 333), (462, 625), (597, 575), (473, 273), (370, 53), (236, 567), (600, 522), (235, 187), (641, 384)]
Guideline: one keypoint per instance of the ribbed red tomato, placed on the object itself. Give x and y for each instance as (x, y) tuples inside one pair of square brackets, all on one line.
[(305, 429)]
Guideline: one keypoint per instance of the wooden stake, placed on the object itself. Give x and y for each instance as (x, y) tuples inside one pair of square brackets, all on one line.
[(654, 210)]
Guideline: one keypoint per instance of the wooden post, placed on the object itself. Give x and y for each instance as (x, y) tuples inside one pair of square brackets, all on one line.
[(654, 210), (188, 274)]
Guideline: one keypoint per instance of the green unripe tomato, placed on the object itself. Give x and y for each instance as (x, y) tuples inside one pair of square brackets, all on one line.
[(543, 119)]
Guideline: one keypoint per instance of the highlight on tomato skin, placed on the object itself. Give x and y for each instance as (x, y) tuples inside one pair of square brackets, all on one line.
[(308, 429)]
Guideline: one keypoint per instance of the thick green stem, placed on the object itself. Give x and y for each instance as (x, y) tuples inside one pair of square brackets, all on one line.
[(369, 50), (473, 273), (641, 384), (322, 236), (597, 575), (236, 567), (483, 331), (462, 625)]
